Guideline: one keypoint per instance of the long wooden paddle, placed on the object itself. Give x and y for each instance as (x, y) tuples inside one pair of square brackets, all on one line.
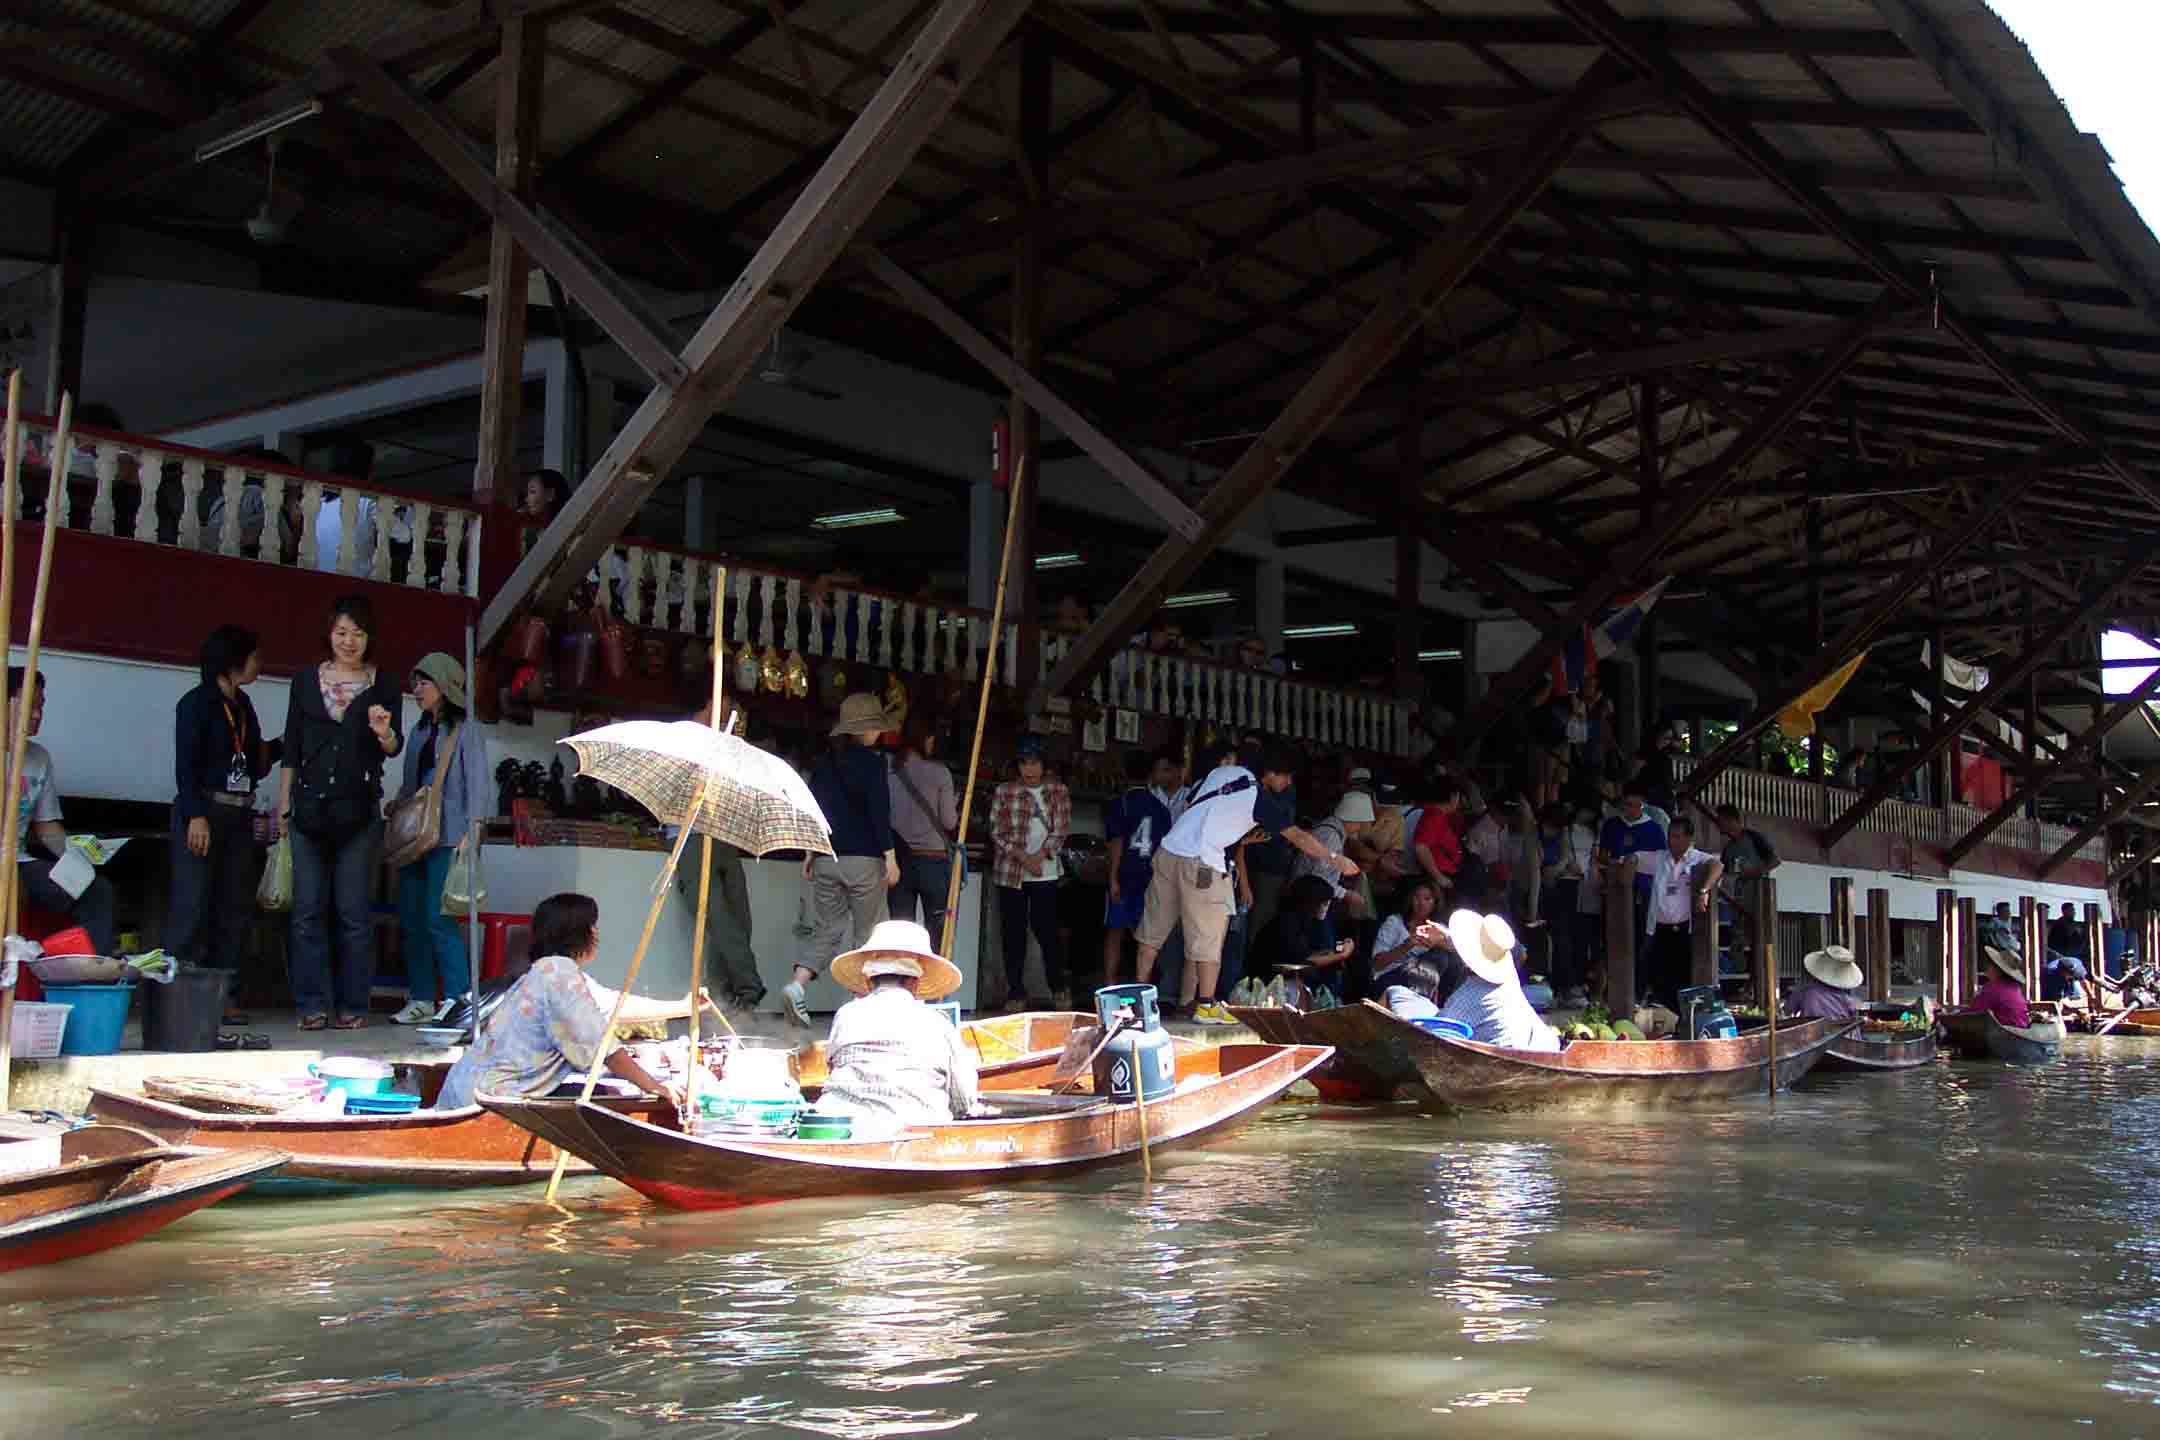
[(13, 467)]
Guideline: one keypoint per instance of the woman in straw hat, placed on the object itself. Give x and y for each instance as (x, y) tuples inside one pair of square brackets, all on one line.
[(847, 887), (1490, 999), (446, 750), (1828, 994), (894, 1061), (2002, 993)]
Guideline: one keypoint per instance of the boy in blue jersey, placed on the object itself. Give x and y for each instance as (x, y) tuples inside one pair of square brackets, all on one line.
[(1133, 825)]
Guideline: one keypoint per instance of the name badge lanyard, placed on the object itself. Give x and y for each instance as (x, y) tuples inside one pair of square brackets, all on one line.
[(237, 779)]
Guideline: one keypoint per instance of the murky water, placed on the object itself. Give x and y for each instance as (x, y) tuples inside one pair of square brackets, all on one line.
[(1968, 1251)]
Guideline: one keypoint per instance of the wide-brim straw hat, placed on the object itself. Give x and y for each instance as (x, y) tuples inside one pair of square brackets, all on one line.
[(1486, 944), (2009, 964), (1834, 966), (448, 675), (897, 947), (862, 714)]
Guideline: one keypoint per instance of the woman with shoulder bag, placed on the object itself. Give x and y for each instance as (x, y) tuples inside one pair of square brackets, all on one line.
[(341, 724), (925, 816), (445, 771)]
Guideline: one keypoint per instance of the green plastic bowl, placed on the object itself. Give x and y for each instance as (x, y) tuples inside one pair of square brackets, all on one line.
[(825, 1127)]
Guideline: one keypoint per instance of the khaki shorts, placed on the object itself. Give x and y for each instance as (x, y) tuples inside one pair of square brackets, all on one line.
[(1174, 896)]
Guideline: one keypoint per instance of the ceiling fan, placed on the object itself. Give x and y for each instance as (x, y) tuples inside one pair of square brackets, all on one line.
[(267, 225), (780, 370)]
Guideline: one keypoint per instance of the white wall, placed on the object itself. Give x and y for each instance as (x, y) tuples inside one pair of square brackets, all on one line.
[(1805, 889)]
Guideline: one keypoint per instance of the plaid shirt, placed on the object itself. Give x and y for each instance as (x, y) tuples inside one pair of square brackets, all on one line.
[(1010, 811)]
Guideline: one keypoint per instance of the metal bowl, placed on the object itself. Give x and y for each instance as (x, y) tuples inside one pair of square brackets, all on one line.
[(440, 1037), (78, 969)]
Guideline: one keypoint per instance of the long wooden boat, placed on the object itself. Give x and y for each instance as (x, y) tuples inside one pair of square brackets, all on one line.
[(1359, 1074), (470, 1147), (1873, 1049), (2142, 1023), (1029, 1134), (1978, 1035), (1593, 1074), (113, 1185)]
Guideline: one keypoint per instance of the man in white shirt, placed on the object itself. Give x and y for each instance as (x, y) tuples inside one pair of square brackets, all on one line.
[(1190, 888), (1681, 882), (353, 460)]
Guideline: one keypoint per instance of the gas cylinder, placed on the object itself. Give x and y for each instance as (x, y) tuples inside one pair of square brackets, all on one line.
[(1146, 1052)]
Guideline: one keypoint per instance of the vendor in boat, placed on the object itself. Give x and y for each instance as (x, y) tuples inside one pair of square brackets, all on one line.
[(1414, 990), (1832, 978), (1490, 999), (550, 1025), (894, 1061), (2002, 993)]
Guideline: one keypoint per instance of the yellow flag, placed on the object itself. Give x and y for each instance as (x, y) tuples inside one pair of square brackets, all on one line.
[(1798, 718)]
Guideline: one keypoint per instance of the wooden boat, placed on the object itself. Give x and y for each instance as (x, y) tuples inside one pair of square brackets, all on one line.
[(1360, 1073), (1002, 1044), (2140, 1023), (1879, 1047), (470, 1147), (1978, 1035), (1591, 1074), (1030, 1134), (113, 1185)]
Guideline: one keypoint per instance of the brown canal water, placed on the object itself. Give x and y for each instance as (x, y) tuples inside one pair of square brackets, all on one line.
[(1968, 1251)]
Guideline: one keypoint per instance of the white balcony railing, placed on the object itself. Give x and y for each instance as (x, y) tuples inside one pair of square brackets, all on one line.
[(1789, 797), (787, 614), (163, 494)]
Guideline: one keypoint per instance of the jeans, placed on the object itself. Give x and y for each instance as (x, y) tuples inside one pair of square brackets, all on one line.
[(1021, 908), (928, 878), (213, 895), (728, 953), (430, 941), (331, 872), (847, 895), (93, 909)]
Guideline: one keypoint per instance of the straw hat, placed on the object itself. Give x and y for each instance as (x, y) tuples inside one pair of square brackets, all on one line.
[(862, 714), (897, 947), (1486, 944), (1354, 808), (1833, 965), (2010, 965), (448, 675), (1359, 776)]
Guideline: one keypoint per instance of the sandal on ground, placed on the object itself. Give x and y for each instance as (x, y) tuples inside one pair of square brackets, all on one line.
[(228, 1041), (349, 1022), (254, 1042), (314, 1022)]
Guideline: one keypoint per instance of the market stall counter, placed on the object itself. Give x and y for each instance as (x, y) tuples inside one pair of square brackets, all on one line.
[(518, 877)]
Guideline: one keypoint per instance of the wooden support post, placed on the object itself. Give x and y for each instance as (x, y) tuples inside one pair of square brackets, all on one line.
[(1030, 289), (70, 300), (1707, 938), (518, 87), (1410, 453), (1877, 934), (1841, 913), (2032, 942), (2096, 951), (1969, 960), (1948, 947), (1763, 922), (1621, 940), (1936, 699)]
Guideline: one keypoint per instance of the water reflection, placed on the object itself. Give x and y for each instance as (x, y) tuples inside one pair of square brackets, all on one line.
[(1494, 1200)]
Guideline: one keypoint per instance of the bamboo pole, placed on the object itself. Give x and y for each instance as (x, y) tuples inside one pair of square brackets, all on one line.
[(1139, 1077), (704, 891), (982, 708), (637, 958), (12, 463), (55, 496), (1767, 899)]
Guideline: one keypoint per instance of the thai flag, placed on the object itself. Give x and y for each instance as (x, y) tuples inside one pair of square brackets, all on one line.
[(1578, 658)]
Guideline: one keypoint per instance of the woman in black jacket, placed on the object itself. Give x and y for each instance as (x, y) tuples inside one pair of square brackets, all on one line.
[(218, 755), (341, 724)]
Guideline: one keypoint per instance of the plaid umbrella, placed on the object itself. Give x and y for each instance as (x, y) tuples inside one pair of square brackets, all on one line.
[(753, 799)]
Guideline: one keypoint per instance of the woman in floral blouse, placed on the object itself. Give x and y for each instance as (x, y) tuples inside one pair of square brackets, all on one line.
[(1029, 819), (549, 1026)]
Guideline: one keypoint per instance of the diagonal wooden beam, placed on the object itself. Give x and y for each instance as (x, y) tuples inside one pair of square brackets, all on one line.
[(1439, 268), (1685, 501), (1082, 431), (518, 87), (2036, 776), (2001, 682), (2135, 796), (2144, 857), (618, 309), (1880, 612), (951, 49)]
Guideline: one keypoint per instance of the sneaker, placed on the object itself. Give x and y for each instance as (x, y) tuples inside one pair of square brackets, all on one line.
[(442, 1011), (1212, 1013), (419, 1012), (795, 1006)]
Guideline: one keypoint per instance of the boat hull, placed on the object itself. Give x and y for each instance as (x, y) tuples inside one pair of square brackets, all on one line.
[(1978, 1035), (1464, 1075), (1360, 1073), (1041, 1136), (1862, 1051), (114, 1186)]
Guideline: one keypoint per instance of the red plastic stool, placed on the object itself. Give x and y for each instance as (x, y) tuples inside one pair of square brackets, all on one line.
[(39, 924), (505, 940)]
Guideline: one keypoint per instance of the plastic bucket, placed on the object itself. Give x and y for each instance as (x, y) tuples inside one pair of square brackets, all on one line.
[(95, 1025), (1441, 1025), (183, 1017)]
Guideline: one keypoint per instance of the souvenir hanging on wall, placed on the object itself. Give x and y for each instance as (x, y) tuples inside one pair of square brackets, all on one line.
[(798, 676), (746, 670), (772, 671)]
